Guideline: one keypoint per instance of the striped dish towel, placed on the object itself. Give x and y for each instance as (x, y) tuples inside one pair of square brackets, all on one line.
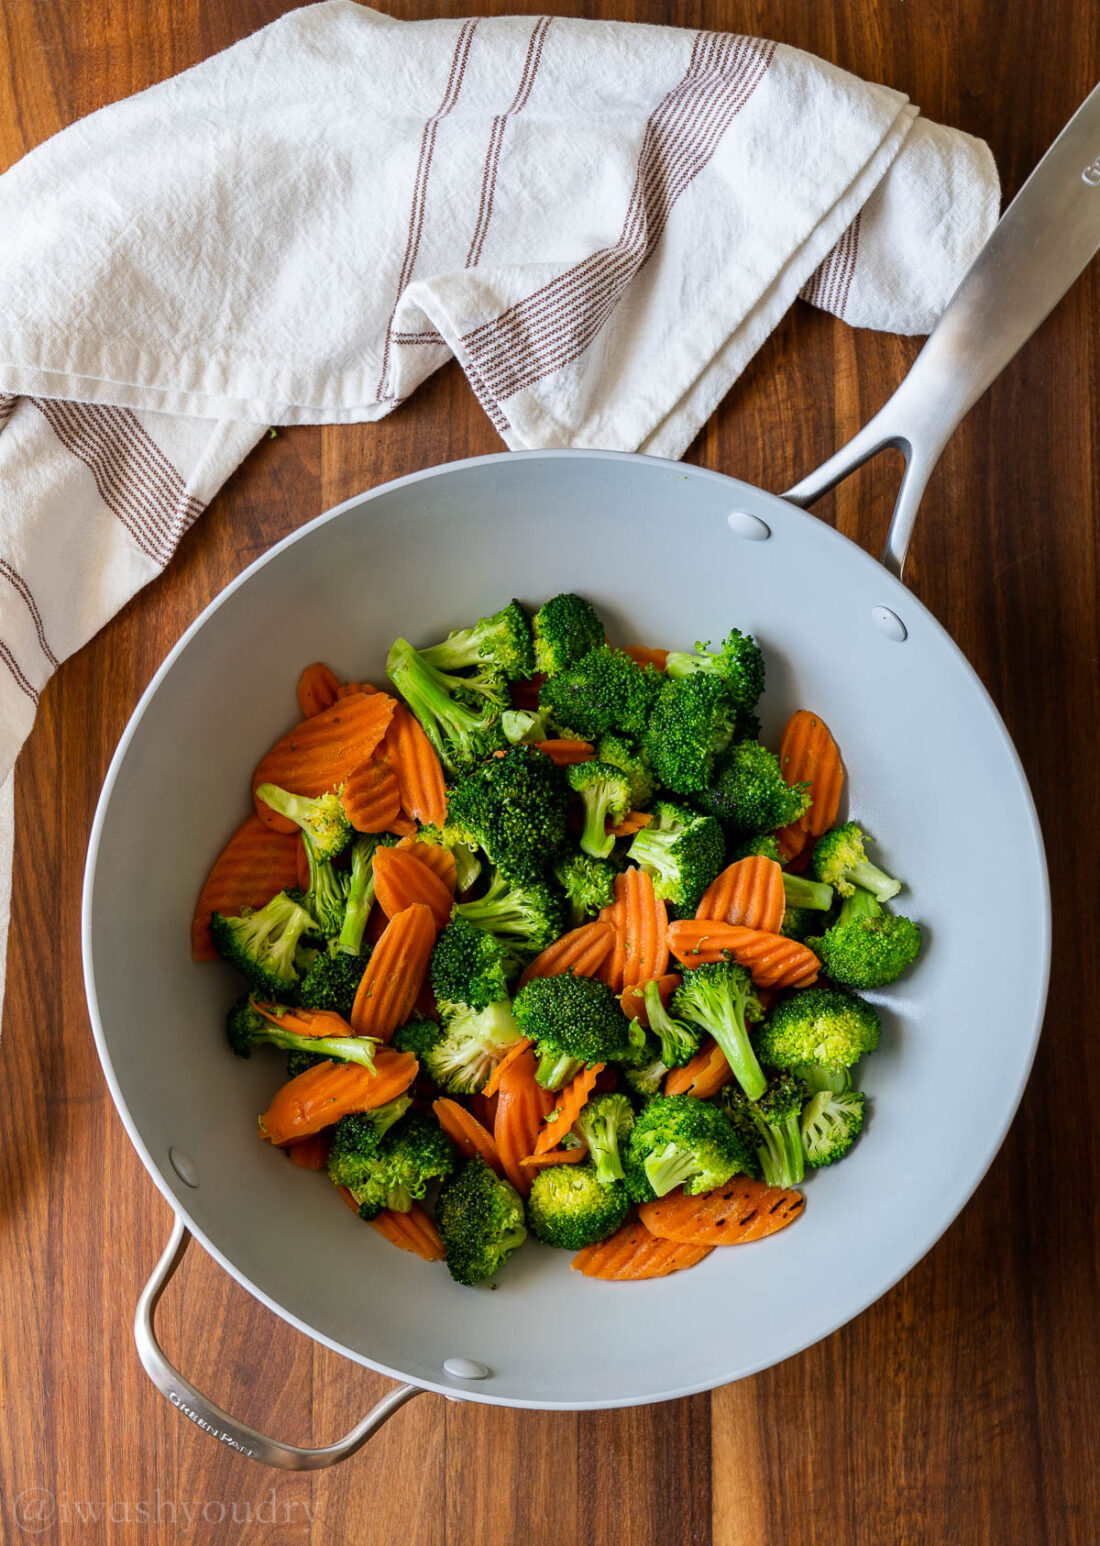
[(601, 221)]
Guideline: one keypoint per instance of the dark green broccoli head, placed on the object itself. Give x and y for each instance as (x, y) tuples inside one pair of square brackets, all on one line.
[(589, 884), (738, 663), (357, 1139), (819, 1027), (605, 1123), (322, 819), (459, 715), (719, 997), (572, 1020), (480, 1221), (770, 1126), (502, 643), (762, 844), (799, 923), (570, 1207), (262, 943), (332, 981), (681, 851), (605, 795), (468, 966), (299, 1060), (831, 1123), (566, 627), (420, 1037), (692, 723), (412, 1153), (679, 1042), (603, 691), (472, 1044), (840, 860), (679, 1140), (515, 808), (629, 756), (748, 791), (867, 948), (524, 914)]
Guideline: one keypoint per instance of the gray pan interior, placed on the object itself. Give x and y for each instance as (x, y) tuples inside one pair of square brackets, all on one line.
[(932, 774)]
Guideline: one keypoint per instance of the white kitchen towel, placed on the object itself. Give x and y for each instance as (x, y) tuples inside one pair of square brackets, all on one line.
[(601, 221)]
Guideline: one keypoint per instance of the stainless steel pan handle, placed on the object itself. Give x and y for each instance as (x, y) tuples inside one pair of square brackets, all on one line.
[(193, 1404), (1044, 239)]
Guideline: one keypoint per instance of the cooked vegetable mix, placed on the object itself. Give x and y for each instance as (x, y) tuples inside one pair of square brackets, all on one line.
[(554, 944)]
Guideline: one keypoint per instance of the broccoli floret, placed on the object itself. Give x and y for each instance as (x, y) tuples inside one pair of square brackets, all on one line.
[(326, 896), (515, 808), (831, 1123), (298, 1061), (867, 948), (524, 915), (321, 819), (764, 844), (738, 663), (681, 851), (570, 1206), (749, 792), (502, 642), (605, 793), (820, 1028), (466, 857), (720, 997), (799, 923), (679, 1041), (468, 966), (480, 1221), (414, 1152), (646, 1078), (630, 758), (419, 1037), (525, 727), (262, 944), (332, 981), (840, 860), (693, 722), (589, 884), (246, 1028), (770, 1126), (606, 1123), (472, 1044), (459, 715), (356, 1139), (572, 1020), (679, 1140), (605, 690), (566, 627), (810, 895), (360, 892)]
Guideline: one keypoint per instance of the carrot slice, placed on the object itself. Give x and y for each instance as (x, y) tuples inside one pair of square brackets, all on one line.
[(318, 689), (407, 750), (310, 1153), (254, 866), (632, 822), (646, 656), (492, 1084), (370, 797), (633, 1003), (554, 1157), (484, 1106), (328, 1091), (304, 876), (614, 963), (582, 951), (412, 1231), (749, 892), (645, 926), (704, 1075), (521, 1108), (304, 1022), (571, 1101), (466, 1132), (565, 753), (400, 879), (632, 1253), (773, 960), (345, 1193), (347, 689), (441, 861), (321, 752), (808, 753), (388, 988), (740, 1210)]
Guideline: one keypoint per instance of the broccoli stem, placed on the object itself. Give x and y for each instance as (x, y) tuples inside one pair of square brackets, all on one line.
[(861, 904), (781, 1158), (596, 841), (669, 1167), (817, 1078), (801, 892), (881, 886), (345, 1049), (555, 1069), (360, 895)]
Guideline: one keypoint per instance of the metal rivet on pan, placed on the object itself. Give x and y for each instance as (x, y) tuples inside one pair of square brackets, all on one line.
[(184, 1167), (890, 624), (742, 524), (465, 1369)]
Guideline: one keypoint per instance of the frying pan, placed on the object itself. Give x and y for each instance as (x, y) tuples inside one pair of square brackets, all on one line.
[(932, 774)]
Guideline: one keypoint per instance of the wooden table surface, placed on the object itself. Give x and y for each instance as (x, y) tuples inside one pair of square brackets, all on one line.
[(964, 1406)]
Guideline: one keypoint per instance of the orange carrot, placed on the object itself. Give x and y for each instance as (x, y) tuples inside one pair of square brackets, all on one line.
[(484, 1106), (400, 879), (441, 861), (412, 1231), (749, 892), (704, 1075), (582, 951), (388, 988), (346, 1194), (370, 797), (571, 1101), (310, 1153), (646, 656), (407, 750), (521, 1109), (614, 963), (321, 752), (633, 1003), (632, 822), (566, 752), (328, 1091), (645, 927), (492, 1084), (554, 1157), (808, 754), (253, 867), (773, 960), (632, 1253), (466, 1132), (304, 1022), (303, 862), (347, 689), (740, 1210), (425, 1006), (403, 826), (318, 688)]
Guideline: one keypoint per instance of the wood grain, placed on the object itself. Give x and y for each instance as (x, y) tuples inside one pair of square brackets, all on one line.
[(964, 1406)]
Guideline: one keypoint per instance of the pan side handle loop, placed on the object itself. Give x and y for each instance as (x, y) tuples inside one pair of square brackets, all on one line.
[(1047, 235), (210, 1417)]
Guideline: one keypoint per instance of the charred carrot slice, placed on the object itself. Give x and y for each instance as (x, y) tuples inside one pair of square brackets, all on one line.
[(773, 960), (808, 754), (632, 1254), (321, 752), (632, 822), (441, 861), (388, 988), (412, 1231), (741, 1210), (571, 1101), (492, 1084), (318, 689), (582, 951), (310, 1153), (346, 689), (633, 1003), (646, 656), (554, 1157), (370, 797), (304, 1022), (254, 866), (466, 1132), (564, 753), (400, 880), (522, 1107), (704, 1075), (749, 892), (328, 1091), (645, 925), (407, 750)]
